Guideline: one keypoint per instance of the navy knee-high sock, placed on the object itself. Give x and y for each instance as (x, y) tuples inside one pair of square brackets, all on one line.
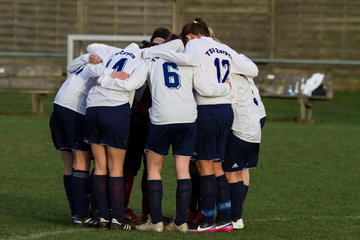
[(223, 202), (195, 194), (67, 187), (93, 204), (246, 188), (101, 195), (116, 193), (243, 193), (236, 200), (79, 186), (183, 196), (208, 189), (128, 185), (145, 201), (155, 192)]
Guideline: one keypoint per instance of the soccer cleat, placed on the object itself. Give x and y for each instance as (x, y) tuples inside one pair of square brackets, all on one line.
[(104, 223), (144, 217), (84, 222), (149, 226), (190, 216), (130, 216), (166, 220), (95, 213), (203, 227), (173, 227), (121, 226), (224, 227), (239, 224), (198, 217)]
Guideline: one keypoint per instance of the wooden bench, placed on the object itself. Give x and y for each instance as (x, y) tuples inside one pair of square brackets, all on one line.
[(38, 80), (39, 89), (289, 86)]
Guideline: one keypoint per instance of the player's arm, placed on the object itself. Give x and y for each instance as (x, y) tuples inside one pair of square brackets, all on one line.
[(78, 62), (82, 60), (132, 47), (189, 57), (135, 81), (98, 70), (102, 50), (207, 88), (243, 65)]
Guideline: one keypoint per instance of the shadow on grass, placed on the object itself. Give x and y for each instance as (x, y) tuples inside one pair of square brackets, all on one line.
[(29, 209)]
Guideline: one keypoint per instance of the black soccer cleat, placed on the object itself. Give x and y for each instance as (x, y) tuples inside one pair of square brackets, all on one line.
[(120, 226), (84, 222)]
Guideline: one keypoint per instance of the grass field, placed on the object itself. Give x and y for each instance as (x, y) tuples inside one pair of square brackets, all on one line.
[(307, 184)]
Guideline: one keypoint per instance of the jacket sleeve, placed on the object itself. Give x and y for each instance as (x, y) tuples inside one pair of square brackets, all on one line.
[(169, 53), (243, 65), (98, 70), (102, 50), (78, 62), (135, 81)]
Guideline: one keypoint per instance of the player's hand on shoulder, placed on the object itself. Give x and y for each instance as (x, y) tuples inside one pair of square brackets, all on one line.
[(120, 75), (95, 59)]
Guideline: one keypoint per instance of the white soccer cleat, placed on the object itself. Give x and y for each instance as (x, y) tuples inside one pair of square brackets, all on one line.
[(148, 226), (173, 227), (239, 224)]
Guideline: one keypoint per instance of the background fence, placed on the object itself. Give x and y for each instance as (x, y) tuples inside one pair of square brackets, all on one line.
[(262, 29)]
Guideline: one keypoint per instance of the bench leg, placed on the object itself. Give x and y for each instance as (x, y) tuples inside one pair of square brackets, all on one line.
[(309, 116), (301, 101), (37, 103), (33, 103)]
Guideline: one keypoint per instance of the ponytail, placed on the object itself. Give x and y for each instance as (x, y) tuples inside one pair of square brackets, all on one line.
[(196, 27)]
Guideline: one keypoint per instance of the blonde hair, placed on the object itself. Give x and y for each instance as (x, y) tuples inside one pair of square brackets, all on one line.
[(212, 34)]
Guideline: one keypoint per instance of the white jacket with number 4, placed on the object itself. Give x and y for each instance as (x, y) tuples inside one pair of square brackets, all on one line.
[(246, 107)]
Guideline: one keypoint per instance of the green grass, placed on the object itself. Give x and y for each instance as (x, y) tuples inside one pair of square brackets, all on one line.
[(306, 185)]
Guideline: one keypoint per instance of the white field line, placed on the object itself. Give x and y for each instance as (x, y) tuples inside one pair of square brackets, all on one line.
[(317, 127), (286, 219), (45, 234)]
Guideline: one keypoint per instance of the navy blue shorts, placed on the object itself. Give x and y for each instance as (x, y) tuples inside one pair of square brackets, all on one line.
[(67, 129), (182, 137), (240, 154), (135, 153), (214, 127), (108, 125)]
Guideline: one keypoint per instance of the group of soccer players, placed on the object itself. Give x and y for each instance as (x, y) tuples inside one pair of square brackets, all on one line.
[(194, 94)]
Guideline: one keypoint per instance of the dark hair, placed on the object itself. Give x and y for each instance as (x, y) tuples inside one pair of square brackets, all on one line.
[(183, 39), (160, 32), (172, 37), (197, 27), (146, 44)]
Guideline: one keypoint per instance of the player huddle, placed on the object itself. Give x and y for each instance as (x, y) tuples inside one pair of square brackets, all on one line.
[(120, 107)]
